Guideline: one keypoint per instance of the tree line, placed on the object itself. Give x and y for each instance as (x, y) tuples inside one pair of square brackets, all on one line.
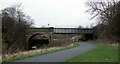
[(108, 16), (14, 29)]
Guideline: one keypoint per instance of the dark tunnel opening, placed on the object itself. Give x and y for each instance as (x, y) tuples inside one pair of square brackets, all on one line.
[(36, 41), (89, 36)]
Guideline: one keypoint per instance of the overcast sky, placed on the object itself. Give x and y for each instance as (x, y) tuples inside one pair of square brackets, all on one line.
[(57, 13)]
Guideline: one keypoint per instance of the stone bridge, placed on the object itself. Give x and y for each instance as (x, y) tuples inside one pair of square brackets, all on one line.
[(44, 36), (50, 31)]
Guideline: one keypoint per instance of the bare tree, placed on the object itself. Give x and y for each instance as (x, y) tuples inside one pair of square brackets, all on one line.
[(108, 13), (14, 26)]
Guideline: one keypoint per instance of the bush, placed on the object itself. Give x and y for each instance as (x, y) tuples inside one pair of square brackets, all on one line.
[(59, 43)]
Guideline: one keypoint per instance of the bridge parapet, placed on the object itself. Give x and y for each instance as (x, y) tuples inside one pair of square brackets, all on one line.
[(73, 30)]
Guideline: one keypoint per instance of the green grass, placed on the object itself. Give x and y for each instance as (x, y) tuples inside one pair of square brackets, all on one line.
[(103, 53), (38, 54)]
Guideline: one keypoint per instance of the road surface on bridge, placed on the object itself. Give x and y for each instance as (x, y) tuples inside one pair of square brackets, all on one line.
[(61, 56)]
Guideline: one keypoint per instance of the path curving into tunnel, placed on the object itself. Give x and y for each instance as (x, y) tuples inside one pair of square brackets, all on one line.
[(61, 56)]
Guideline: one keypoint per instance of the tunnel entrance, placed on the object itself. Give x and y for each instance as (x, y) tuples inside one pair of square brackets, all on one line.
[(37, 40), (89, 36)]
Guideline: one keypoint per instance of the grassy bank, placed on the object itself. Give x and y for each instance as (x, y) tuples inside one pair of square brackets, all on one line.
[(38, 54), (103, 53)]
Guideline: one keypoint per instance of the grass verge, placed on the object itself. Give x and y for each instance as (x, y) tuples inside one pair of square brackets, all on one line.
[(103, 53), (38, 54)]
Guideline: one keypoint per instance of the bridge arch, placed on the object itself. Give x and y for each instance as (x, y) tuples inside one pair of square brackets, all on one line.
[(34, 34), (37, 40)]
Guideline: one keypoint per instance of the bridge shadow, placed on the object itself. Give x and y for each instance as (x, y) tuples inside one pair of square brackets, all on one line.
[(37, 40)]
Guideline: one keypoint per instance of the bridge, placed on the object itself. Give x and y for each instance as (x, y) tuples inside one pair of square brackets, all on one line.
[(73, 31), (51, 33)]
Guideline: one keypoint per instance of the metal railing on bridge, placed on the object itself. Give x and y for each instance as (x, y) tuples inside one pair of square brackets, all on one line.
[(73, 30)]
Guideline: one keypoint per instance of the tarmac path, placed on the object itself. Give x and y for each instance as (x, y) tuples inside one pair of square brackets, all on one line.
[(61, 56)]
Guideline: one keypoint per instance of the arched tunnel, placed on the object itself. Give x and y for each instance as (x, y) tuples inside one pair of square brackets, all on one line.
[(37, 40)]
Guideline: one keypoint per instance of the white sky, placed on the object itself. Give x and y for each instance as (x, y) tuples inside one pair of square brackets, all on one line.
[(57, 13)]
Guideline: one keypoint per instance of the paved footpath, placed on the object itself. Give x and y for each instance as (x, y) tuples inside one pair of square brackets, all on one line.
[(58, 57), (61, 56)]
